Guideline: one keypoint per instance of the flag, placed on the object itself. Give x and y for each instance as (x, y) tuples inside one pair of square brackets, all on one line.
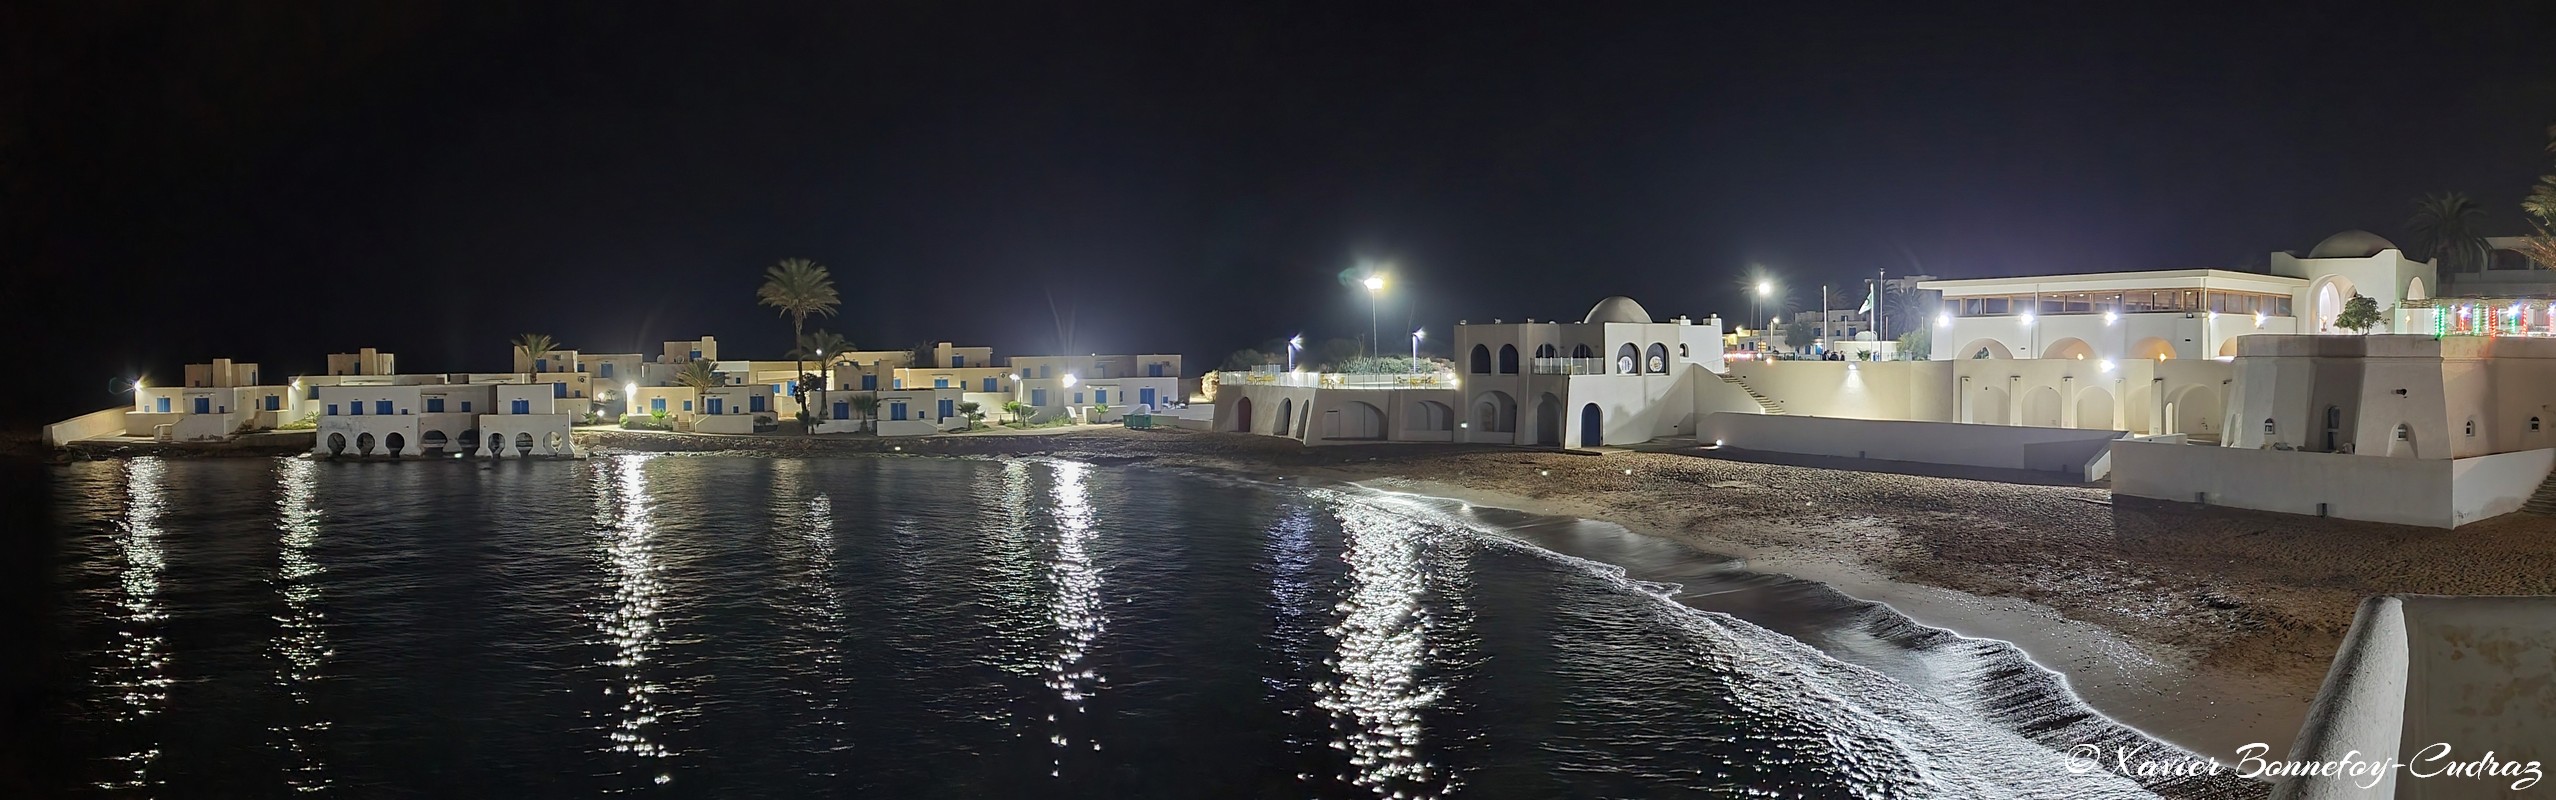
[(1868, 300)]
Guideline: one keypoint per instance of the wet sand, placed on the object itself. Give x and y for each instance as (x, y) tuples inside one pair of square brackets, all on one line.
[(2209, 628)]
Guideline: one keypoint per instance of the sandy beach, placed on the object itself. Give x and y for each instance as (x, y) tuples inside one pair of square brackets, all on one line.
[(2209, 628)]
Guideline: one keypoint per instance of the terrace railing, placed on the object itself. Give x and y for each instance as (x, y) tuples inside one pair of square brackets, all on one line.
[(1570, 366), (1339, 380)]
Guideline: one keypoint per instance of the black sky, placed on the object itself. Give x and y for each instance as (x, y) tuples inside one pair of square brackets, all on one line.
[(278, 181)]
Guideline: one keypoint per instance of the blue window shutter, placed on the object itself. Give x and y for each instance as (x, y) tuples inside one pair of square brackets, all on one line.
[(957, 360), (559, 390), (465, 406), (1038, 397), (657, 404), (687, 405), (870, 382), (940, 383), (989, 384), (332, 408), (1078, 398), (1100, 396), (948, 408)]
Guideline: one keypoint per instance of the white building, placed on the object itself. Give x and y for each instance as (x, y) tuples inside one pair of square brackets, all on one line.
[(219, 399), (1095, 388), (2192, 313), (435, 419), (737, 408), (1616, 377)]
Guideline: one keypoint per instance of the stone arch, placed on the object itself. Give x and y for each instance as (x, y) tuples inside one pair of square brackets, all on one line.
[(1548, 420), (1582, 351), (2194, 411), (1286, 415), (1544, 351), (1353, 420), (2094, 409), (2414, 289), (434, 441), (1242, 414), (496, 445), (1429, 415), (468, 442), (524, 442), (2069, 349), (1508, 359), (1993, 348), (364, 443), (1988, 405), (1655, 360), (394, 443), (2326, 296), (2227, 348), (1592, 425), (2153, 348), (2040, 407), (1628, 360), (336, 443), (1481, 361), (1495, 412), (2401, 444)]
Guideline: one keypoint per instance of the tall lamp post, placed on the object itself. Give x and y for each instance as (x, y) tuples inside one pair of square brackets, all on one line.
[(1416, 335), (1765, 289), (1294, 343), (1375, 286)]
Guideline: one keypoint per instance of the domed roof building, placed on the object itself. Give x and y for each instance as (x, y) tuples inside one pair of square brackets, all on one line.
[(1618, 309), (2352, 244)]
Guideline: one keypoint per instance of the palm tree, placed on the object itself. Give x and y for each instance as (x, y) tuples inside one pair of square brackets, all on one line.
[(1020, 411), (823, 346), (867, 405), (697, 374), (533, 345), (797, 287), (2445, 227)]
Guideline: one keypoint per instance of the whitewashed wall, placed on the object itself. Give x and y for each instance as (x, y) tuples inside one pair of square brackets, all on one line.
[(2435, 493), (2061, 450)]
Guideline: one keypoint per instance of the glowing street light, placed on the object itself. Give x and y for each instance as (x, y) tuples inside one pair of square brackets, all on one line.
[(1294, 343), (1765, 290), (2026, 318), (1416, 336), (2110, 317), (1375, 284), (1943, 319), (1070, 380)]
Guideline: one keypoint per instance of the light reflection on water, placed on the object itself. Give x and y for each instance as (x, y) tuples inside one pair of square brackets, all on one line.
[(1077, 605), (301, 636), (813, 610), (629, 623), (139, 681), (1377, 696)]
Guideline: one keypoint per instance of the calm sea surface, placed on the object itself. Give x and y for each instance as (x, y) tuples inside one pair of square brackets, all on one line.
[(727, 626)]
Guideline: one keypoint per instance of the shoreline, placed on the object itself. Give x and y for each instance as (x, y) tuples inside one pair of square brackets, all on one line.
[(2206, 628)]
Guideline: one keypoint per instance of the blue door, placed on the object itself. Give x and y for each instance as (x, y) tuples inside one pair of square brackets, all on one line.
[(716, 403), (559, 390), (657, 405), (204, 405), (355, 409), (1145, 396), (1592, 433), (1153, 370), (164, 405), (949, 409), (869, 383), (1100, 396), (989, 384), (541, 365), (896, 410), (274, 403), (434, 405), (755, 403), (383, 407), (842, 410), (1038, 397)]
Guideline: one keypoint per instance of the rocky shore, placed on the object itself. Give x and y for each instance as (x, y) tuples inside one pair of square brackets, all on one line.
[(2207, 627)]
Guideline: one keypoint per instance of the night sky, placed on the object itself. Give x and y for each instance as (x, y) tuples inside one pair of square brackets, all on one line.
[(275, 182)]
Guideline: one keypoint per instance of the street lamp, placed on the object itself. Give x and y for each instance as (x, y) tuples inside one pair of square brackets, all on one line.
[(1375, 286), (1765, 289), (1294, 343), (1416, 336)]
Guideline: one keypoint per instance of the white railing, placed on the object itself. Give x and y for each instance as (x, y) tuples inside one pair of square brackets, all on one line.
[(1570, 366), (1339, 380)]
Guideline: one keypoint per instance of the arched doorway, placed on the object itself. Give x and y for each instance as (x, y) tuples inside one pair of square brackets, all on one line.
[(434, 442), (1508, 359), (1582, 351), (1242, 414), (524, 443), (2069, 349), (336, 444), (1286, 415), (2194, 412), (1548, 420), (364, 444), (1592, 426), (1655, 360), (1429, 415), (469, 441), (2336, 437), (1628, 361), (1988, 405), (1495, 412), (1984, 348), (2094, 409), (2041, 407), (2153, 348), (1544, 351), (1481, 361), (2325, 301), (1353, 420), (394, 443)]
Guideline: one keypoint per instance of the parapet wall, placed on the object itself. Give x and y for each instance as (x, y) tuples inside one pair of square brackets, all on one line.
[(2417, 672), (2431, 492), (2062, 450)]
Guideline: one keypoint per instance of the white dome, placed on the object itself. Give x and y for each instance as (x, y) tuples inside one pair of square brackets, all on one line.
[(2351, 244), (1618, 309)]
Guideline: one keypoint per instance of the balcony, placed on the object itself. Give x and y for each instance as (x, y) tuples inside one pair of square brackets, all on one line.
[(1570, 366), (1339, 380)]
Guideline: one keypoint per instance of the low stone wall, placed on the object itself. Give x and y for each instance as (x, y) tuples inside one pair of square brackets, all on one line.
[(2061, 450), (109, 422), (2417, 672), (2431, 492)]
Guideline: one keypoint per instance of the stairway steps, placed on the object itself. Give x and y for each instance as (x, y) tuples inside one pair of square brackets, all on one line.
[(2543, 501)]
